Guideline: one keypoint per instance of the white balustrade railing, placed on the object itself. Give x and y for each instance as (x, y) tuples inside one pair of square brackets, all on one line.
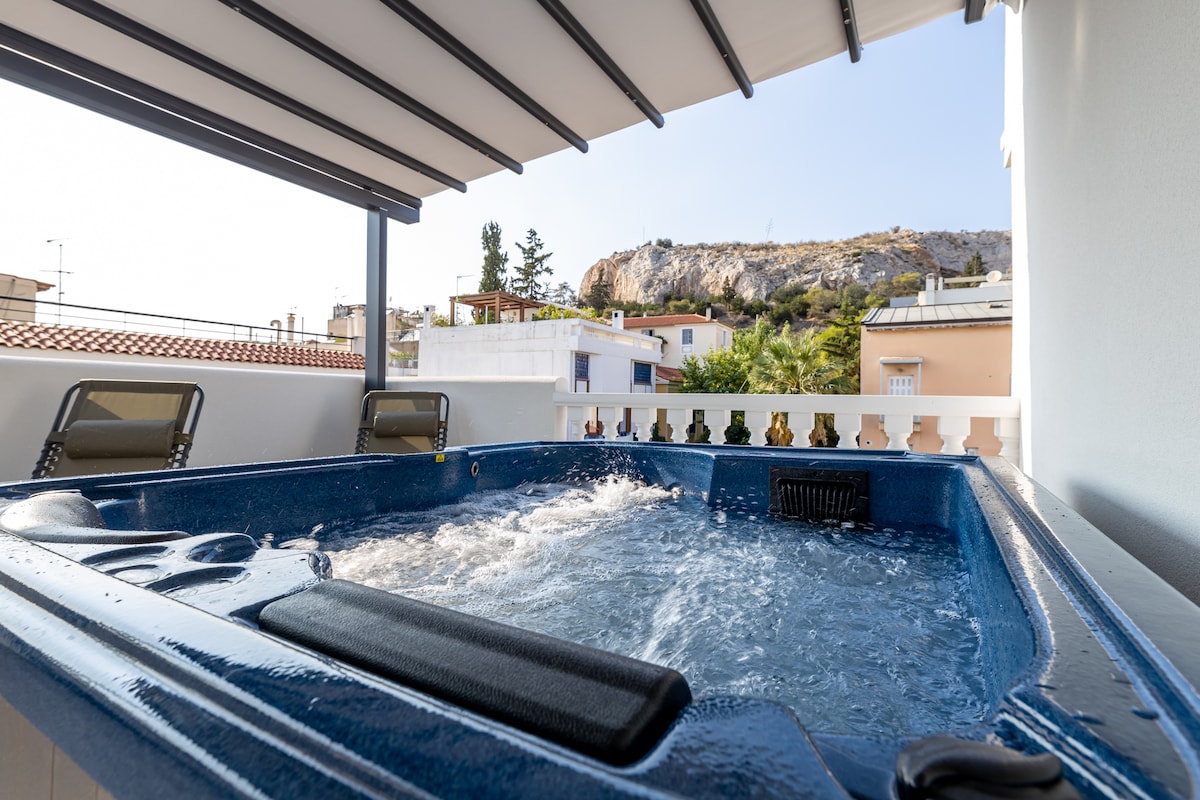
[(899, 413)]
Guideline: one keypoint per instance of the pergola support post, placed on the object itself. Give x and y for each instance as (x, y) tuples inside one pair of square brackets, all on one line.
[(376, 351)]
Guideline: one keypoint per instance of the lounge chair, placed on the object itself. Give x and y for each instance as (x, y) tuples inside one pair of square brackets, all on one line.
[(107, 426), (402, 422)]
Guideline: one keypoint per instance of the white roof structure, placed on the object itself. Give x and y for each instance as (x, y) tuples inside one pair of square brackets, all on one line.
[(384, 102), (381, 103)]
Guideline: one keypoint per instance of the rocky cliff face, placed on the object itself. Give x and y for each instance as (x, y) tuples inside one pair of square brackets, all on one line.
[(649, 273)]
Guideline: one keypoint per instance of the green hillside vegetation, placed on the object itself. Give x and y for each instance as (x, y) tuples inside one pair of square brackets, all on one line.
[(768, 356)]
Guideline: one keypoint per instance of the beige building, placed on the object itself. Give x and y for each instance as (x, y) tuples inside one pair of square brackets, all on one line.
[(951, 342), (682, 335), (17, 297)]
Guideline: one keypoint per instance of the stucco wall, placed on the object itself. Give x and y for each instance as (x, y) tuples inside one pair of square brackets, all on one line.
[(545, 349), (249, 414), (706, 336), (960, 360), (1110, 177), (254, 413)]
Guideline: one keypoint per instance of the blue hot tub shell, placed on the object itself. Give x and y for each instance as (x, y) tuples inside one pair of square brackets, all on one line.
[(130, 611)]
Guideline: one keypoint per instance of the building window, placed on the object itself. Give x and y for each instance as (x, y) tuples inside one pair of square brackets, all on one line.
[(582, 372), (643, 374), (900, 385), (686, 338)]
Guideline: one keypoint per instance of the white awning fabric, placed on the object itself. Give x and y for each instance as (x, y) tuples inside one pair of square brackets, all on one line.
[(385, 102)]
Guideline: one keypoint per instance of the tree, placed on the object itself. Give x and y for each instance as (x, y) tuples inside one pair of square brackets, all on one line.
[(842, 342), (799, 365), (495, 263), (718, 372), (599, 294), (527, 280), (564, 295), (791, 364), (727, 371), (727, 291), (974, 266)]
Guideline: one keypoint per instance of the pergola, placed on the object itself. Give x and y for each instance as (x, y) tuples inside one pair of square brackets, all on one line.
[(496, 302), (381, 103)]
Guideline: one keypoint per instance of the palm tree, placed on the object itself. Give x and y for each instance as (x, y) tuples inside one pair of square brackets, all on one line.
[(790, 364)]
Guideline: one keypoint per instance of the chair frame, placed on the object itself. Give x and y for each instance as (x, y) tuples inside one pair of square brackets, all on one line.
[(366, 421), (72, 403)]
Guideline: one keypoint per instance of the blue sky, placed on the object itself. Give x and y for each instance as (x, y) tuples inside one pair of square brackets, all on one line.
[(909, 136)]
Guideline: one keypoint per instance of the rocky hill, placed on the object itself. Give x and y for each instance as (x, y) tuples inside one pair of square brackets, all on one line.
[(651, 272)]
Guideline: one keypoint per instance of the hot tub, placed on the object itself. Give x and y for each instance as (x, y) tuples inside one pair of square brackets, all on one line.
[(165, 630)]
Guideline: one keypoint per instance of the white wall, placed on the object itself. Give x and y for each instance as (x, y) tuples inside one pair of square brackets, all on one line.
[(1110, 182), (545, 348), (254, 413), (251, 413), (490, 410)]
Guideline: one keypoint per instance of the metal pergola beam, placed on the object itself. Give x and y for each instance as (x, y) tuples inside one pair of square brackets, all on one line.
[(608, 66), (853, 44), (976, 10), (319, 50), (376, 351), (52, 71), (708, 18), (444, 39), (193, 58)]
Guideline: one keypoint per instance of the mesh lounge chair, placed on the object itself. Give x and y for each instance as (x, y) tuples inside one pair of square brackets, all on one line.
[(107, 426), (403, 422)]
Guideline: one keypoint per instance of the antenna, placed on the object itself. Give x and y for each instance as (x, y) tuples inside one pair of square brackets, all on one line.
[(60, 272)]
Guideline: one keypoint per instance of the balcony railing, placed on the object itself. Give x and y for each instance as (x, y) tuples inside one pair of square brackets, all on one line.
[(899, 415)]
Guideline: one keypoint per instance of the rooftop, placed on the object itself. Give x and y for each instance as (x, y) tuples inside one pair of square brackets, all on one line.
[(670, 319), (35, 336), (995, 312)]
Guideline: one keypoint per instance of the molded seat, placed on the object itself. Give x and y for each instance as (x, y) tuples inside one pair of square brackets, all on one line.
[(105, 426), (403, 422)]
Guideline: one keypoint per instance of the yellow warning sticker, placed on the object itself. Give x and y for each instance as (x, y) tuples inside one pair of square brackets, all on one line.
[(440, 457)]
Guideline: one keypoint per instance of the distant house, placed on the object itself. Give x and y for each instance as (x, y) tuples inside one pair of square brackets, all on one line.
[(950, 342), (17, 297), (682, 335), (590, 356), (349, 323)]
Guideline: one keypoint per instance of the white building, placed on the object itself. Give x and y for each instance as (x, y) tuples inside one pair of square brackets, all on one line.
[(683, 335), (589, 356)]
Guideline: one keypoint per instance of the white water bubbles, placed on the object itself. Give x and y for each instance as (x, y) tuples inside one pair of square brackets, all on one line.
[(859, 631)]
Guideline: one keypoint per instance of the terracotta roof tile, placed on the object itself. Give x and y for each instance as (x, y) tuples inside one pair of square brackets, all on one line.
[(33, 336), (668, 374), (669, 319)]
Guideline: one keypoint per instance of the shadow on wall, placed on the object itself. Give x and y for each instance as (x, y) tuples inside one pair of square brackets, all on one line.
[(1157, 547)]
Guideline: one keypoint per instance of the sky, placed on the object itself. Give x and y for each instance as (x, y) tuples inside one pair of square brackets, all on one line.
[(908, 136)]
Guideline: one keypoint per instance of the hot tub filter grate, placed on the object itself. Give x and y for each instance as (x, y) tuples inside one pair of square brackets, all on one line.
[(820, 495)]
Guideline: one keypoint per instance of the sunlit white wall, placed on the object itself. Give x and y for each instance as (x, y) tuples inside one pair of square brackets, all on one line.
[(1107, 205)]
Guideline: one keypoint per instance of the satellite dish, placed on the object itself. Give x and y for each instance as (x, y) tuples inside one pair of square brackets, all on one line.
[(994, 276)]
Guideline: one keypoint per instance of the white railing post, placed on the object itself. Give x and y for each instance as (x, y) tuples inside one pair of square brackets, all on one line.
[(758, 422), (641, 419), (954, 430), (677, 423), (802, 426), (847, 427), (717, 421), (575, 423), (1008, 431), (897, 427), (609, 416)]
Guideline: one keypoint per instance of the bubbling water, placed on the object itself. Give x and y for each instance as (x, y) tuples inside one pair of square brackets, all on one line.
[(859, 631)]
